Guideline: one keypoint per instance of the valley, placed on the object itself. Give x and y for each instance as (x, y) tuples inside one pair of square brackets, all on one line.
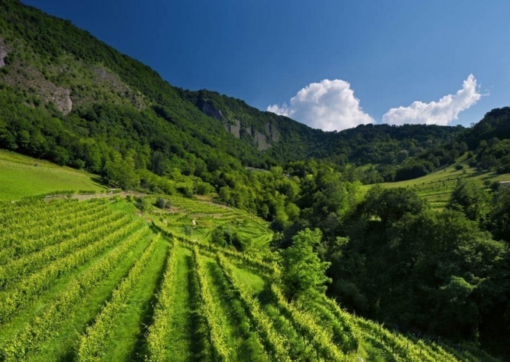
[(140, 221)]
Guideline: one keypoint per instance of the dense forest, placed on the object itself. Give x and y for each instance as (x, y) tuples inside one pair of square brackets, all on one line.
[(396, 260), (71, 99)]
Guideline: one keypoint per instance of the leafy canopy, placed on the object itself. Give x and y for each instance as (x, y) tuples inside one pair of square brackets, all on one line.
[(303, 271)]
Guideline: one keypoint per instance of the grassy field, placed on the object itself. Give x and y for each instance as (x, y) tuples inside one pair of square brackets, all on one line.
[(25, 176), (437, 186)]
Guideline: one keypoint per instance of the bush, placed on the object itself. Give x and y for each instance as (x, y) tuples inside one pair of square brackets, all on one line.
[(163, 203), (143, 204)]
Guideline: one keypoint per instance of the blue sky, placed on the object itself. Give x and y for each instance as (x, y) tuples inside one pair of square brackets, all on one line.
[(378, 54)]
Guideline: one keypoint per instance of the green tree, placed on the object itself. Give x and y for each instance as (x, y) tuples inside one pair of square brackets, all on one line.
[(303, 271), (470, 198), (120, 174), (390, 205), (499, 215)]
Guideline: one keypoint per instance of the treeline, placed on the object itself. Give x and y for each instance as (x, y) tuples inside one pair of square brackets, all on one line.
[(488, 143)]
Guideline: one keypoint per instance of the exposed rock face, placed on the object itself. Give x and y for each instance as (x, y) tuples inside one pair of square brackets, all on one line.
[(105, 75), (209, 110), (62, 99), (32, 80), (261, 141), (4, 52), (235, 129), (272, 131), (113, 82)]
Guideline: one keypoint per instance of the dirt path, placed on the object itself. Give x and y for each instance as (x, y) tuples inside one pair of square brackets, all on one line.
[(96, 196)]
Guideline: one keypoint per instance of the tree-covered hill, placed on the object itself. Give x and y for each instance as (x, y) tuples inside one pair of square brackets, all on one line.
[(112, 106), (488, 144), (285, 139)]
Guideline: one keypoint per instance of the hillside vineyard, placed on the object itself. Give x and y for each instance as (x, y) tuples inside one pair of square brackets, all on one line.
[(144, 222), (93, 284)]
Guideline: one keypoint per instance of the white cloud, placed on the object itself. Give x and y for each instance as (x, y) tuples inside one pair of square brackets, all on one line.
[(329, 105), (442, 112)]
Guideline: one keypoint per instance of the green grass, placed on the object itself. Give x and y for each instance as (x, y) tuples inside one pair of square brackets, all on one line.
[(242, 340), (38, 305), (254, 282), (188, 329), (124, 206), (62, 347), (19, 177), (127, 343), (247, 226), (225, 315), (437, 186)]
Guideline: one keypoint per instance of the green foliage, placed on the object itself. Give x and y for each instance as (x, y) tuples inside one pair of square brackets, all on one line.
[(303, 271), (228, 317), (390, 257), (225, 236), (390, 205), (450, 271), (163, 203), (470, 198), (498, 219), (95, 341), (143, 204)]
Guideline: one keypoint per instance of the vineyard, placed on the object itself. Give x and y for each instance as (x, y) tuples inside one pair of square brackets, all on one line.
[(437, 187), (98, 281)]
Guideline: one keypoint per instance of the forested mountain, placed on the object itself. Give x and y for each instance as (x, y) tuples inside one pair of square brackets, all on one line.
[(117, 109), (69, 98)]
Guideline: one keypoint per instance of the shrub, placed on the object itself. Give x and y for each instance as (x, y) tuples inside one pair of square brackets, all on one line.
[(163, 203)]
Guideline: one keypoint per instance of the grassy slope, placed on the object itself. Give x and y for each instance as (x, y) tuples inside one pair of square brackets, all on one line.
[(242, 344), (35, 308), (63, 346), (207, 216), (127, 343), (188, 329), (188, 337), (20, 177), (437, 186)]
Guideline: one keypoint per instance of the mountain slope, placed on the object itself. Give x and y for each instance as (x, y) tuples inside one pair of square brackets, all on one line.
[(285, 139), (63, 72)]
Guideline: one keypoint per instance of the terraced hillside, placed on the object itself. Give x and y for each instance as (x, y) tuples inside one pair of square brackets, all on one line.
[(437, 186), (94, 281)]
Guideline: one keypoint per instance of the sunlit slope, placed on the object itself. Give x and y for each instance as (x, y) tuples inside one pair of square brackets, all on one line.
[(99, 281), (199, 218), (437, 186), (25, 176)]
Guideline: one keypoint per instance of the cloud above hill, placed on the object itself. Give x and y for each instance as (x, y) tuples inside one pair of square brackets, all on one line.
[(331, 105), (328, 105), (442, 112)]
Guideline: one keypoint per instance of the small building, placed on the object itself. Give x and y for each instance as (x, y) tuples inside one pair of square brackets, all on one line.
[(504, 183)]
